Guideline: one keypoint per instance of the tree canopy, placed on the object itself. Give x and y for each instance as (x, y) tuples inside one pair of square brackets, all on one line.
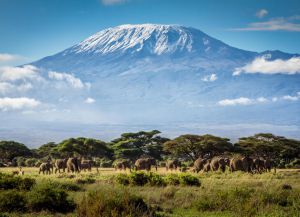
[(193, 146), (269, 145), (11, 149), (134, 145)]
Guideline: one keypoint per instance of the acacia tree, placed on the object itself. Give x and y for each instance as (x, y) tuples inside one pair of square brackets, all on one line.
[(269, 145), (134, 145), (83, 147), (193, 146), (12, 149)]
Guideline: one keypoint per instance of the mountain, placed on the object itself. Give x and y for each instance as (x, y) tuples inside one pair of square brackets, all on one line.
[(176, 77)]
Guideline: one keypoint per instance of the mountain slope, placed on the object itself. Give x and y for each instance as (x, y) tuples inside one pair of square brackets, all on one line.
[(165, 74)]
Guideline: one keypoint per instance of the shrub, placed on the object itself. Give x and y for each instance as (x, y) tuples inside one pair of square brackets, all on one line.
[(172, 179), (46, 197), (156, 180), (139, 178), (30, 162), (123, 179), (187, 179), (109, 202), (12, 201), (286, 187), (86, 180), (15, 182), (68, 186)]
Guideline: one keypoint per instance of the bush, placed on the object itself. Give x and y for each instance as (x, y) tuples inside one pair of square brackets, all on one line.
[(12, 201), (123, 179), (15, 182), (109, 202), (30, 162), (172, 179), (86, 180), (139, 178), (156, 180), (46, 197), (187, 179)]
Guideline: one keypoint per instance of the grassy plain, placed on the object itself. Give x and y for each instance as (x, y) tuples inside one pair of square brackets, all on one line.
[(220, 194)]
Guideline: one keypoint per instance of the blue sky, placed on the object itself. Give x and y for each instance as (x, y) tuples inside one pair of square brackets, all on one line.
[(33, 29)]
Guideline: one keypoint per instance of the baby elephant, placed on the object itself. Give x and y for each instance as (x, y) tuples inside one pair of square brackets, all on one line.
[(45, 168)]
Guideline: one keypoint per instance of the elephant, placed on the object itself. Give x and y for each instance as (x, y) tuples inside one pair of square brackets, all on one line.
[(145, 164), (218, 163), (60, 164), (247, 164), (86, 165), (73, 165), (236, 164), (258, 165), (207, 166), (268, 164), (199, 164), (173, 164), (45, 168), (123, 165)]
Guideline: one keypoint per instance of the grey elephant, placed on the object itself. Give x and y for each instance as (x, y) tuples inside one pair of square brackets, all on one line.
[(86, 165), (173, 164), (73, 165), (236, 164), (219, 163), (207, 166), (268, 164), (247, 164), (60, 164), (123, 165), (199, 164), (258, 165), (145, 164), (45, 168)]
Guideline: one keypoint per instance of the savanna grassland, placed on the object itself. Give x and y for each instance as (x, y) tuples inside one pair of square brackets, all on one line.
[(105, 192)]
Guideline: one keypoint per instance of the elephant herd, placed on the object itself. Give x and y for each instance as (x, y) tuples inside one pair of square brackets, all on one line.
[(246, 164), (70, 164), (140, 164)]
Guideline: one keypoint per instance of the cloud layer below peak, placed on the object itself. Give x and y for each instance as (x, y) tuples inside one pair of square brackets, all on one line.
[(264, 66)]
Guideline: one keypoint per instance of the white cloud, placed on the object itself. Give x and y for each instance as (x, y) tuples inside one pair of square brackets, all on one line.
[(238, 101), (69, 78), (18, 73), (4, 57), (275, 24), (210, 78), (278, 66), (274, 99), (261, 13), (291, 98), (6, 87), (89, 100), (7, 103), (262, 99), (242, 101), (113, 2)]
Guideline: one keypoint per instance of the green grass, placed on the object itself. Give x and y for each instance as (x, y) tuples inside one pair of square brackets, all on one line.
[(220, 194)]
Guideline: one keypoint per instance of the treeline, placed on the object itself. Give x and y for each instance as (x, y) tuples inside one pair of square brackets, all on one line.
[(283, 151)]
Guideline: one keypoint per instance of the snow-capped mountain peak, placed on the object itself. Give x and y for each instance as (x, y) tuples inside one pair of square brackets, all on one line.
[(150, 38)]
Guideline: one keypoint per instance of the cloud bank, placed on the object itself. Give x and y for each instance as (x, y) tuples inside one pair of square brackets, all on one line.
[(278, 66), (7, 104), (18, 73), (4, 57), (69, 78)]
